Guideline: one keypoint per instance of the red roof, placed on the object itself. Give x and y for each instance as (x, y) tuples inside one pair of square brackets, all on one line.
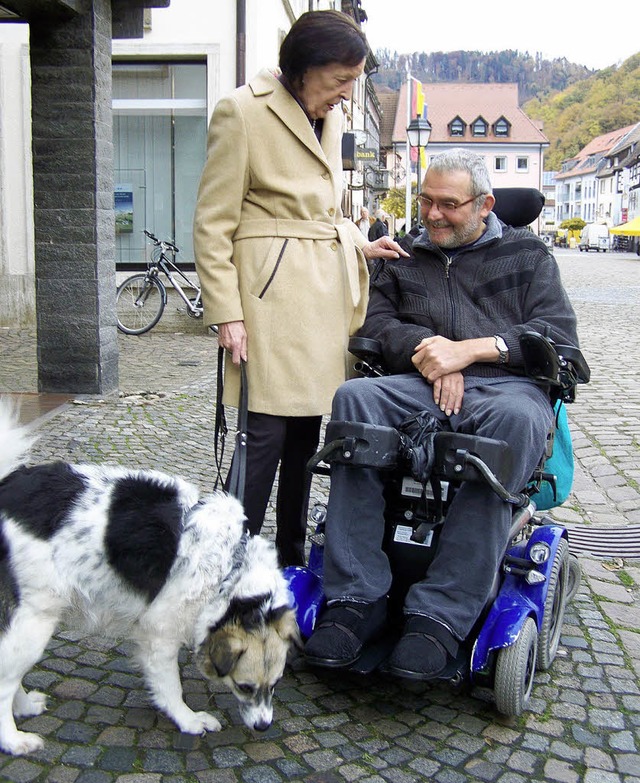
[(597, 148), (446, 101)]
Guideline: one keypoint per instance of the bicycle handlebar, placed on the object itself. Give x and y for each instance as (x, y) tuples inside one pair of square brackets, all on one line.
[(163, 244)]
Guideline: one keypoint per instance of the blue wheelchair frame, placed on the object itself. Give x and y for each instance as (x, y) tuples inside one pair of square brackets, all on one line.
[(502, 653)]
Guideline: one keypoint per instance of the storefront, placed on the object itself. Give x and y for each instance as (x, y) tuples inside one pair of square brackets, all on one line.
[(159, 139)]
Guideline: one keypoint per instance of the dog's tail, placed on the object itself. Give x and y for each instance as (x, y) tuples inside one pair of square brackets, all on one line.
[(15, 441)]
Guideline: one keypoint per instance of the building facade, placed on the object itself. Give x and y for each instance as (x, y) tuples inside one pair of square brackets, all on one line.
[(586, 187), (484, 117)]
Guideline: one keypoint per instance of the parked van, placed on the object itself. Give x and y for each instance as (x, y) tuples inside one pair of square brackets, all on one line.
[(594, 236)]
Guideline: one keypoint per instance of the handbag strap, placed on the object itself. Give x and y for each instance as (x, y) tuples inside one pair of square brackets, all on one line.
[(237, 475)]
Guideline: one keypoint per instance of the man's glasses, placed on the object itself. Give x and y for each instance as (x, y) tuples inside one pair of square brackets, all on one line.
[(444, 206)]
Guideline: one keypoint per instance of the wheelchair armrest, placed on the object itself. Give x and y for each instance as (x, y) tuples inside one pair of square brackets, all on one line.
[(366, 348), (559, 365), (573, 356), (369, 354), (540, 358)]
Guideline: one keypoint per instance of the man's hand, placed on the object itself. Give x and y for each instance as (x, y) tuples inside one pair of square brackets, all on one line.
[(232, 336), (448, 392), (384, 247), (437, 356)]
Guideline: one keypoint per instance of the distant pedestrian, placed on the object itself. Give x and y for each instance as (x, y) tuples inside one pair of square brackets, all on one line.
[(364, 222), (379, 227)]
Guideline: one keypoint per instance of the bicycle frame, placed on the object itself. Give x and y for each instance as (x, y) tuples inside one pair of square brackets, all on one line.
[(170, 269)]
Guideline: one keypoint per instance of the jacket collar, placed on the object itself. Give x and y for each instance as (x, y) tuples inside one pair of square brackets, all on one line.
[(284, 106), (494, 231)]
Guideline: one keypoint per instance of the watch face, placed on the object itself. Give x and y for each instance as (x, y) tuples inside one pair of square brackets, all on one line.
[(500, 344)]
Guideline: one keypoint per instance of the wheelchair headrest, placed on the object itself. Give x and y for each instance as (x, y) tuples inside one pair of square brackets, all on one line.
[(518, 206)]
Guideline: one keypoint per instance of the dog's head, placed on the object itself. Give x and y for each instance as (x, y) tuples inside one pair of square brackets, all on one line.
[(248, 650)]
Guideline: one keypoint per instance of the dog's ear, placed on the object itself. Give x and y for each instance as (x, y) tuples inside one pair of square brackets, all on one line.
[(225, 648), (287, 628)]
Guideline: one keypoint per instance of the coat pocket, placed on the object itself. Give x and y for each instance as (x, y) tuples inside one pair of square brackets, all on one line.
[(270, 268)]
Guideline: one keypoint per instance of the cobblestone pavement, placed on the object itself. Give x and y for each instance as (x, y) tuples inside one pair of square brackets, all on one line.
[(583, 722)]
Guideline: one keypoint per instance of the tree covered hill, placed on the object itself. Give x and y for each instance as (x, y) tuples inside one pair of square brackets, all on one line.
[(576, 104), (533, 75), (605, 101)]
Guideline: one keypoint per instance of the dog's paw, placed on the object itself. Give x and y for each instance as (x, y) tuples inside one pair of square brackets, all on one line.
[(199, 723), (21, 742), (26, 705)]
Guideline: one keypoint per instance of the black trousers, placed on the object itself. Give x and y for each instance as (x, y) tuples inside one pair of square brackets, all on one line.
[(290, 441)]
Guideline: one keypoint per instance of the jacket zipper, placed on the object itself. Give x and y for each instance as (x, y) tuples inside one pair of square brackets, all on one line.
[(275, 269), (448, 260)]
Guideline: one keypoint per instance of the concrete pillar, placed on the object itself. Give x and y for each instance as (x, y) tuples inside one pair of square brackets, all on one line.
[(73, 196)]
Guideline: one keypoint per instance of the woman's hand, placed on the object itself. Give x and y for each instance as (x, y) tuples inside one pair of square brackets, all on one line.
[(232, 336), (384, 247)]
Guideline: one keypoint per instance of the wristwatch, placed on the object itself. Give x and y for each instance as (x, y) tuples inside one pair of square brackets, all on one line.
[(502, 348)]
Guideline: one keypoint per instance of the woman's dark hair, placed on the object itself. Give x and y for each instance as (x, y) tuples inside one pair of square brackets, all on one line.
[(318, 38)]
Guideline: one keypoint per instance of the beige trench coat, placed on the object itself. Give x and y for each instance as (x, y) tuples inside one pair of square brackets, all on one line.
[(273, 249)]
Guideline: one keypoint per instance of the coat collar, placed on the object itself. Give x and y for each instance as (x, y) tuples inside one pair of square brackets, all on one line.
[(286, 108)]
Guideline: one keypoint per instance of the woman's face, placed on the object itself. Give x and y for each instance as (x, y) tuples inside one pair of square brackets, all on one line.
[(323, 87)]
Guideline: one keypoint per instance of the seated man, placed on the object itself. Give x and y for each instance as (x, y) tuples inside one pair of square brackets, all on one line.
[(448, 319)]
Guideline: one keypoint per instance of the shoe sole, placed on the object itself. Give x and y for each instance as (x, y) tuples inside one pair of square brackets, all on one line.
[(332, 663)]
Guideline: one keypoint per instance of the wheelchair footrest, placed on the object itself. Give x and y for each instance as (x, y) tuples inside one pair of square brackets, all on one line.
[(363, 445)]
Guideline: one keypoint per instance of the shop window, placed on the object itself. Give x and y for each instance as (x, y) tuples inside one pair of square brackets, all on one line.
[(159, 138)]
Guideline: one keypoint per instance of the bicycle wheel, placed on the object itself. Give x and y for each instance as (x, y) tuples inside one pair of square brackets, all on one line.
[(140, 303)]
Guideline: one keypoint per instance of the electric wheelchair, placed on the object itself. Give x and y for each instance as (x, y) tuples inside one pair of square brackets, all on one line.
[(519, 630)]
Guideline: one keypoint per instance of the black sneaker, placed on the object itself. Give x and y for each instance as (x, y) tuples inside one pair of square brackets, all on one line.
[(342, 631)]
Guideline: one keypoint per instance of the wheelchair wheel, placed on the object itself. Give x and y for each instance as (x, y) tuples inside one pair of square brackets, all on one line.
[(554, 606), (575, 577), (515, 669)]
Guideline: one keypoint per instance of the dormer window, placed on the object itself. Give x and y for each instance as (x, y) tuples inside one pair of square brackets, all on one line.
[(501, 128), (479, 127), (457, 127)]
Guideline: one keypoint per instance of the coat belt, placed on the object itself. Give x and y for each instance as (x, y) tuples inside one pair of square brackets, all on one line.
[(311, 229)]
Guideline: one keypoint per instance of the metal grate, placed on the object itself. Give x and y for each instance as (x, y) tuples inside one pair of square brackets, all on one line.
[(605, 541)]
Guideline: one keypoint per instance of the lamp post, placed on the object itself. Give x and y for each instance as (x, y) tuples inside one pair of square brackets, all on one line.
[(418, 134)]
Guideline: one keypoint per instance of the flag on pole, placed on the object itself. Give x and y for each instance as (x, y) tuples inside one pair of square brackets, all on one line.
[(417, 99), (417, 110)]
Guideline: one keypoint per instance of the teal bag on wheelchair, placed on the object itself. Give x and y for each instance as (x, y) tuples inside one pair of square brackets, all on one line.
[(560, 464)]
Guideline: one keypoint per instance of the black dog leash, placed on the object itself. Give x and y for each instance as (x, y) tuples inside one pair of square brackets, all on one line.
[(237, 475)]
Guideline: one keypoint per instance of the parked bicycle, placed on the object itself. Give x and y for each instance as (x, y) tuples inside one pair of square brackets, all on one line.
[(141, 298)]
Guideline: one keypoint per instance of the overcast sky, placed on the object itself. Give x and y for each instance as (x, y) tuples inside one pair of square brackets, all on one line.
[(557, 28)]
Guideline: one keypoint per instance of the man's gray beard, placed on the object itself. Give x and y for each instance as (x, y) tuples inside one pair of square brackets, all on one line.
[(462, 235)]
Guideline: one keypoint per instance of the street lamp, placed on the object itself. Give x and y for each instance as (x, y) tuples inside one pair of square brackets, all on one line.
[(418, 133)]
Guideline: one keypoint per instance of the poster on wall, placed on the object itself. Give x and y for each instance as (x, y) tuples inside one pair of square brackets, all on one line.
[(123, 204)]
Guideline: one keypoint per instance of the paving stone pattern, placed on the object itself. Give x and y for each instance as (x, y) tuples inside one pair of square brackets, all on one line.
[(583, 722)]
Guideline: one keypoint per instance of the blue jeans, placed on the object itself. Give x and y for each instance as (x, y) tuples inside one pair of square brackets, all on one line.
[(475, 532)]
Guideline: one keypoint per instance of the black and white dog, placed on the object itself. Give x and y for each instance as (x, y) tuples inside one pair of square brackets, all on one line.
[(135, 554)]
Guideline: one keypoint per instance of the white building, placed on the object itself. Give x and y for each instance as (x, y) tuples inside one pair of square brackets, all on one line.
[(484, 117), (580, 190)]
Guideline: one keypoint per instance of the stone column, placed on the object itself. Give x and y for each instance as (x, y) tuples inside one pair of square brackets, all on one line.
[(73, 194)]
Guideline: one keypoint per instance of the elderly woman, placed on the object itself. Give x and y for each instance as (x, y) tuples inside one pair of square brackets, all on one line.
[(284, 275)]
